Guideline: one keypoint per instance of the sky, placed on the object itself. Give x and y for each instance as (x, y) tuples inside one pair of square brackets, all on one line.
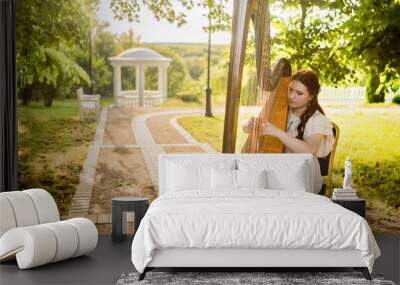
[(150, 30)]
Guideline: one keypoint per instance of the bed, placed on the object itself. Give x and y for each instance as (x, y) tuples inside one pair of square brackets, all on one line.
[(247, 210)]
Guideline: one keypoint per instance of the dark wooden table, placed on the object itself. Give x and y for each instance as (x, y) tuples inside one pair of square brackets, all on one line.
[(357, 205), (120, 206)]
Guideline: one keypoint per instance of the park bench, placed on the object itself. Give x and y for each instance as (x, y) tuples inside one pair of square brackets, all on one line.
[(87, 103)]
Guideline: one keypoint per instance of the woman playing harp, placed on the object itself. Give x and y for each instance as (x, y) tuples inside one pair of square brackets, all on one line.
[(304, 129), (308, 130)]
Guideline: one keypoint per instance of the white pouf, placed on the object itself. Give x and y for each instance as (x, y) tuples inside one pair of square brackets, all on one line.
[(31, 230)]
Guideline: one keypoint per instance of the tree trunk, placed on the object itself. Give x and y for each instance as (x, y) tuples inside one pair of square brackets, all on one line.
[(303, 8), (48, 95), (26, 94), (372, 85), (48, 100)]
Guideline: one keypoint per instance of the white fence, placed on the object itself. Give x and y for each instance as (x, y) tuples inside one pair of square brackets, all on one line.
[(328, 94), (131, 98), (351, 94)]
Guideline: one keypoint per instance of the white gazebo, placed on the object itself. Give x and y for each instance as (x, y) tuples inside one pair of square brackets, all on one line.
[(140, 58)]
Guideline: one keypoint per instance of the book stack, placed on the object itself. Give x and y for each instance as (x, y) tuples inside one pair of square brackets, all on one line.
[(344, 194)]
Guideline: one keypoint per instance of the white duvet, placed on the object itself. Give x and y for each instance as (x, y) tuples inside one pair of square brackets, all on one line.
[(250, 219)]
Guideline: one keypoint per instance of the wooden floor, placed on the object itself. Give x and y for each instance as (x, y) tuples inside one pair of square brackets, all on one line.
[(111, 259)]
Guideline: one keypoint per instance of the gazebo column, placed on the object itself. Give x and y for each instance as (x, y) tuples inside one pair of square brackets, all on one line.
[(140, 83), (163, 81), (136, 80), (117, 82), (160, 81)]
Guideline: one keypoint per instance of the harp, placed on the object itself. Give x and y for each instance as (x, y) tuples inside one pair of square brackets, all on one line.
[(271, 87)]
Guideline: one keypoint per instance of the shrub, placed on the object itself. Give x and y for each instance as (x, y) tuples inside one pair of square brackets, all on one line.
[(396, 99), (192, 91), (379, 181), (189, 98)]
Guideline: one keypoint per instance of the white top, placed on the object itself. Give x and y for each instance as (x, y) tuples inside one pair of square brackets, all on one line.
[(139, 55), (317, 124)]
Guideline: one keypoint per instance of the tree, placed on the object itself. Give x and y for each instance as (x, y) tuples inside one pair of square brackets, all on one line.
[(46, 31), (308, 33), (105, 46), (58, 71), (127, 40), (165, 9), (373, 38), (195, 69)]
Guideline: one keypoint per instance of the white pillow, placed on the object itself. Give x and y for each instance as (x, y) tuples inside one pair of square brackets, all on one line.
[(281, 174), (251, 178), (182, 177), (193, 174), (294, 178), (223, 179)]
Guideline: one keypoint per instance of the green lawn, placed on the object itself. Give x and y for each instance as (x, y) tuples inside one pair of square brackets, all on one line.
[(53, 145), (370, 136), (210, 130)]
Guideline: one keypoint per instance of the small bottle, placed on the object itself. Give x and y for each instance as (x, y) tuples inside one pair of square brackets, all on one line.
[(347, 174)]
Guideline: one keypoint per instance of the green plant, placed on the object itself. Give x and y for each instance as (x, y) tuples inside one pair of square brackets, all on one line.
[(189, 98), (191, 92), (379, 181), (46, 32), (396, 99)]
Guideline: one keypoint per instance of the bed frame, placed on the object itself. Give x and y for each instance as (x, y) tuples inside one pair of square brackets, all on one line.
[(256, 258), (242, 258)]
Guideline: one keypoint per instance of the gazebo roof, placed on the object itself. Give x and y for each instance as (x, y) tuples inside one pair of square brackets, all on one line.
[(139, 55)]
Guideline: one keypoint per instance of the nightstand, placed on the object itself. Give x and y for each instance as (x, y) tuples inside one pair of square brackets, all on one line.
[(138, 205), (357, 205)]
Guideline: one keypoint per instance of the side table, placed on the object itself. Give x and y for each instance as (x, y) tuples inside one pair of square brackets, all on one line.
[(357, 205), (120, 206)]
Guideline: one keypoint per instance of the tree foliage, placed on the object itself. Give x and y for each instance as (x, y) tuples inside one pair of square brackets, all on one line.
[(105, 45), (307, 34), (344, 41), (373, 39), (46, 30), (168, 10), (162, 9)]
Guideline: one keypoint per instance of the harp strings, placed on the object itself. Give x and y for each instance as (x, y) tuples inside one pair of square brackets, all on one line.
[(266, 68), (255, 87), (262, 47)]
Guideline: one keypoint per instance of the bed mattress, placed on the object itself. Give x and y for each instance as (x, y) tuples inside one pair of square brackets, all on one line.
[(250, 219)]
